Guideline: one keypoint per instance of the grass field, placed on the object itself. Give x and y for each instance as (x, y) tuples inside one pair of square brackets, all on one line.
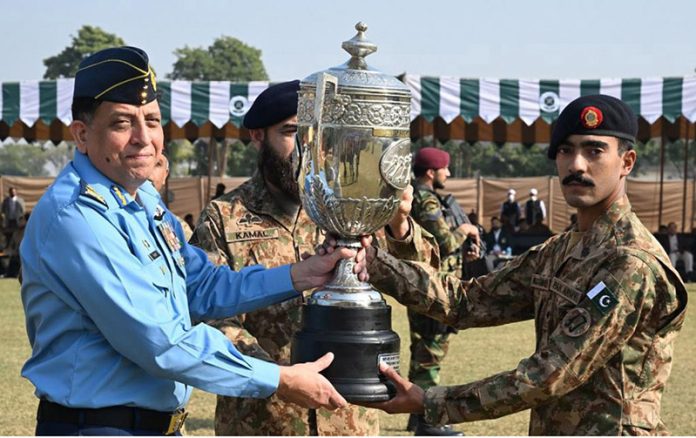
[(474, 354)]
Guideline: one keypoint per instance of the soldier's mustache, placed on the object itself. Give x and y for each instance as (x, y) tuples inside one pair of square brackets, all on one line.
[(577, 178)]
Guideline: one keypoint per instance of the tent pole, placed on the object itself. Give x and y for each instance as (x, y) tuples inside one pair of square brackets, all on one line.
[(662, 178), (686, 175), (210, 169)]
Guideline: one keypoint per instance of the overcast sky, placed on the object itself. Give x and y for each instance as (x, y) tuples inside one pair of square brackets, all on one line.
[(586, 39)]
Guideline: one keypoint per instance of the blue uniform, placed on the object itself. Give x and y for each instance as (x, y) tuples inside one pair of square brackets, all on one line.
[(110, 290)]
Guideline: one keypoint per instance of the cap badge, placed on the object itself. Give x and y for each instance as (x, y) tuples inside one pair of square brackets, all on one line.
[(591, 117)]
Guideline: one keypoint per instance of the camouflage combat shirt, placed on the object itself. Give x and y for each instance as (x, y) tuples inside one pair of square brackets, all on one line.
[(428, 213), (246, 227), (607, 306)]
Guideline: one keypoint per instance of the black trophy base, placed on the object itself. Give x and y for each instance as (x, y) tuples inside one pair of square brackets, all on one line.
[(359, 338)]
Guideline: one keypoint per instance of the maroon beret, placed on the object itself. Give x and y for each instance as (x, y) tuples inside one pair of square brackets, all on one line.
[(431, 158)]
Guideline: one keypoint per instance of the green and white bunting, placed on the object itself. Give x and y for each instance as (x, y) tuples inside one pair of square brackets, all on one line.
[(531, 99), (219, 102), (30, 101), (222, 102)]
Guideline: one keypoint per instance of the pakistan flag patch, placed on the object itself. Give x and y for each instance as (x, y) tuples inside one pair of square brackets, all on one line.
[(602, 297)]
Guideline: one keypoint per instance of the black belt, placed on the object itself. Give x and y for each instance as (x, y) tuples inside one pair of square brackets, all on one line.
[(124, 417)]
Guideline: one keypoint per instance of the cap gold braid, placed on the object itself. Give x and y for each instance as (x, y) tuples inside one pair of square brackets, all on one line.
[(144, 75)]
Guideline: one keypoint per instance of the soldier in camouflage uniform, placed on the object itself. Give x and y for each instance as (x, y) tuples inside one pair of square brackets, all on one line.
[(261, 222), (606, 301), (430, 338)]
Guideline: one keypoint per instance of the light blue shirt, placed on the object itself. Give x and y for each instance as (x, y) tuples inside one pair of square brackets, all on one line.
[(109, 301)]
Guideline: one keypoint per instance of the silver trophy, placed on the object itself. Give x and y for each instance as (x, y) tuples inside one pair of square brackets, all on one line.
[(355, 162)]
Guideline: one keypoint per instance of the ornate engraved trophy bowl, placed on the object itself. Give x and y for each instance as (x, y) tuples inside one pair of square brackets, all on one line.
[(354, 163)]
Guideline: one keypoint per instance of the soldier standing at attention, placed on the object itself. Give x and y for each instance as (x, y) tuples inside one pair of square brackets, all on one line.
[(262, 222), (606, 302), (430, 338)]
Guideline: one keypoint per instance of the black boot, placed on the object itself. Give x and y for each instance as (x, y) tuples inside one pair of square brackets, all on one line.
[(426, 429)]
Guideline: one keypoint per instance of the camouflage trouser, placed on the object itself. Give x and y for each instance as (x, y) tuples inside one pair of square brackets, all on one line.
[(253, 417), (429, 343)]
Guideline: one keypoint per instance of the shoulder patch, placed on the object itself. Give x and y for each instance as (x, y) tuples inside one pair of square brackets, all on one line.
[(88, 191), (602, 297), (576, 322)]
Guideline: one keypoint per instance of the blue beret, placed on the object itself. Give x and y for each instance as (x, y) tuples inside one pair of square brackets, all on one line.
[(117, 74), (594, 115), (275, 104)]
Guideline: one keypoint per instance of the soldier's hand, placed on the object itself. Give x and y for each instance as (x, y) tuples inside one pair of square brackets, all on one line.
[(303, 385), (474, 241), (409, 397), (399, 225)]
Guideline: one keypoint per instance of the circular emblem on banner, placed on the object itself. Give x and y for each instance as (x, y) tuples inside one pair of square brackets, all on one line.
[(549, 102), (591, 117), (239, 105), (576, 322)]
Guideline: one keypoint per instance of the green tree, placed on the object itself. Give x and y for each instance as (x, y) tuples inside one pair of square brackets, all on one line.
[(227, 59), (89, 40), (22, 160), (242, 159)]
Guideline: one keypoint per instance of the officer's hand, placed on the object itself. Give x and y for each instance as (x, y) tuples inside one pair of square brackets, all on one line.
[(314, 271), (303, 385), (399, 225), (409, 397)]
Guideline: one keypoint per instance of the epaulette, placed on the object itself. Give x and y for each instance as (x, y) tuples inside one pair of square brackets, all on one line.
[(90, 195), (120, 197)]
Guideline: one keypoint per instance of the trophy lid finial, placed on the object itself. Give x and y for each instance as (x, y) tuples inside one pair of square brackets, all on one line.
[(359, 47)]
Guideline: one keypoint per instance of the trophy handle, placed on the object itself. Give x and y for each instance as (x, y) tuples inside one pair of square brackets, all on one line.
[(322, 80)]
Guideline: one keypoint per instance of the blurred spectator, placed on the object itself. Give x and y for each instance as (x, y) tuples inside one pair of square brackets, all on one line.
[(510, 212), (219, 190), (496, 242), (158, 178), (677, 247), (12, 212), (473, 218), (189, 220), (12, 250), (539, 228), (534, 208)]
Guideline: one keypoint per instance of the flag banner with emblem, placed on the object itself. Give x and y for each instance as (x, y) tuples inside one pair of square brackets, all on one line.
[(532, 99), (222, 102), (602, 297)]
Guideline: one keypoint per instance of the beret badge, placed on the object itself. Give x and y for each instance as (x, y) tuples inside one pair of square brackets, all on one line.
[(591, 117)]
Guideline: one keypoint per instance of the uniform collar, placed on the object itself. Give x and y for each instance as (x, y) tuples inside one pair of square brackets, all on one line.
[(423, 187), (260, 200), (603, 228), (111, 192)]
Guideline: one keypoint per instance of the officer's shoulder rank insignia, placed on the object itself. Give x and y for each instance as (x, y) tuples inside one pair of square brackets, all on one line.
[(88, 191), (120, 197), (602, 297)]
